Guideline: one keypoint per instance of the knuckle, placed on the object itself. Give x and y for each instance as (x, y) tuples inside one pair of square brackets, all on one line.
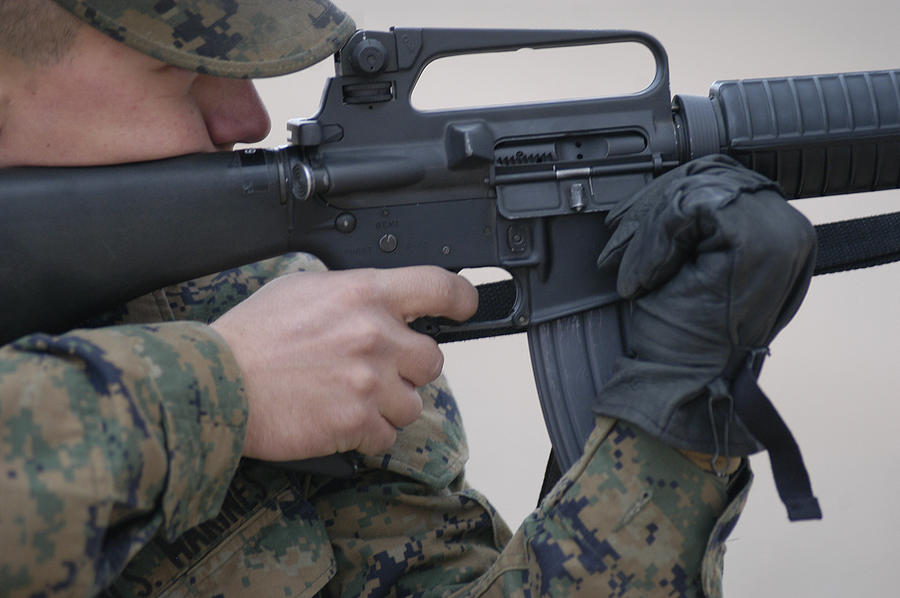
[(793, 235), (402, 407), (363, 381), (369, 335), (427, 365)]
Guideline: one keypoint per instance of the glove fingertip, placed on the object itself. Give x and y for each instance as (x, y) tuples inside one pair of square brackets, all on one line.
[(616, 246), (630, 279), (628, 287), (610, 257)]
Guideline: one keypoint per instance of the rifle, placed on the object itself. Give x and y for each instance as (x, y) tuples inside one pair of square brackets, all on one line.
[(371, 182)]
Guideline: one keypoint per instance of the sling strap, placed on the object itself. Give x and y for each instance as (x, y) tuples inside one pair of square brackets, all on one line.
[(859, 243), (845, 245)]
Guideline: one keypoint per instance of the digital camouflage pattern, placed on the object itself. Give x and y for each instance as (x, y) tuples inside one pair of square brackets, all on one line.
[(230, 38), (121, 445), (632, 518), (107, 438)]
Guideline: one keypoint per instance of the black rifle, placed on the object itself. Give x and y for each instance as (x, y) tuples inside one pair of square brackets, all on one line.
[(372, 182)]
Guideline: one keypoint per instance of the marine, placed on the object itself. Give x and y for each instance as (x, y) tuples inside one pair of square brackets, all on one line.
[(137, 449)]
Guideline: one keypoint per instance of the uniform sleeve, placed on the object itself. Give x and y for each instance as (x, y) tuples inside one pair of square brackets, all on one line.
[(108, 437)]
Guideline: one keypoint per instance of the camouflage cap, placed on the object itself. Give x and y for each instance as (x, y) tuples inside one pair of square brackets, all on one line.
[(228, 38)]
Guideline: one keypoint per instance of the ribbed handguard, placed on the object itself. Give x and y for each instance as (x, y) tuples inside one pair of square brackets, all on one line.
[(816, 135)]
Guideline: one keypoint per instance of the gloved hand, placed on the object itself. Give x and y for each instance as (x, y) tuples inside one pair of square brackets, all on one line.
[(715, 263)]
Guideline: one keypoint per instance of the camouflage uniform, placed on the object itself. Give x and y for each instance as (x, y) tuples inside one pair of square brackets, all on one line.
[(121, 445)]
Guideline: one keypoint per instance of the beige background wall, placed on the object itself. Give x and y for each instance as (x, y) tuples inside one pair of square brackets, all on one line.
[(834, 373)]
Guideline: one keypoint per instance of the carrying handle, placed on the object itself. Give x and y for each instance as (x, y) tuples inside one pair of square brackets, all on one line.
[(403, 53)]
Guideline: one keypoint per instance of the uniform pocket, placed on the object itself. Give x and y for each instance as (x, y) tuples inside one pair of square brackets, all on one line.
[(713, 558)]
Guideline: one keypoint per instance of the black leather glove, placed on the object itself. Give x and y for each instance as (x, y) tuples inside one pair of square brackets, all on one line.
[(715, 262)]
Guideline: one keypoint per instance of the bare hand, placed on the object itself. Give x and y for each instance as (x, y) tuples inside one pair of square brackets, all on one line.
[(329, 362)]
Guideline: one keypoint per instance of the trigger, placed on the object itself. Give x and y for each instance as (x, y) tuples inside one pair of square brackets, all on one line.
[(426, 325)]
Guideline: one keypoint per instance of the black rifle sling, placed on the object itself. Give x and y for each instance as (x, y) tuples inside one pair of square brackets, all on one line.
[(759, 415), (860, 243), (845, 245)]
